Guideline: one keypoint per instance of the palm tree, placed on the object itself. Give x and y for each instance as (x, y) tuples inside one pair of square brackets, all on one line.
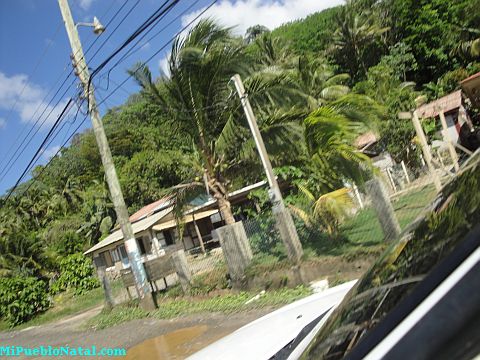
[(326, 211), (330, 132), (201, 105), (353, 38), (317, 81), (469, 49), (253, 32), (272, 51)]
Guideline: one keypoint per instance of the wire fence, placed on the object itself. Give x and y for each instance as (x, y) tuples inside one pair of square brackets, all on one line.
[(335, 252)]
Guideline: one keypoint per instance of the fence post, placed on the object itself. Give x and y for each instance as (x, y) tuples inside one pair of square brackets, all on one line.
[(236, 249), (288, 233), (181, 267), (383, 208), (106, 286)]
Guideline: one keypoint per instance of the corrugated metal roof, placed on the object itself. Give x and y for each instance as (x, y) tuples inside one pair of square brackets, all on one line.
[(151, 213), (365, 139), (139, 226), (471, 86), (150, 209), (447, 103)]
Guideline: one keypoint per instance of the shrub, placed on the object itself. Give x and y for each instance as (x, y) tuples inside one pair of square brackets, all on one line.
[(21, 298), (76, 273)]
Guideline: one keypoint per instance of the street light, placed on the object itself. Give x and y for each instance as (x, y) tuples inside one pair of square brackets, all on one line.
[(98, 28)]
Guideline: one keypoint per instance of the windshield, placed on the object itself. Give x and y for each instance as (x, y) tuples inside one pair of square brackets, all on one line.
[(424, 244)]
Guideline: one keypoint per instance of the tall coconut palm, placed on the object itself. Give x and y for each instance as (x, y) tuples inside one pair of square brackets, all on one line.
[(201, 105), (353, 39), (330, 133), (317, 81)]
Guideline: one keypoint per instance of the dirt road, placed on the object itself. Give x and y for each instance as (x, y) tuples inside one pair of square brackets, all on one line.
[(184, 336)]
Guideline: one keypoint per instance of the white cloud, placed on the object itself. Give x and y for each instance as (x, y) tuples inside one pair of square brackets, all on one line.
[(3, 123), (25, 97), (163, 64), (48, 153), (271, 13), (85, 4)]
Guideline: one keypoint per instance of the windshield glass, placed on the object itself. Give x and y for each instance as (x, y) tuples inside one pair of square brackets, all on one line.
[(424, 244)]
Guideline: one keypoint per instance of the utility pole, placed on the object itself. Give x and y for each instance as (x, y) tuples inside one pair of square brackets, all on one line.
[(138, 270), (426, 150), (284, 221)]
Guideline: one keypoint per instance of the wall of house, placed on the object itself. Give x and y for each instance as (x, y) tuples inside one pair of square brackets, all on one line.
[(152, 244)]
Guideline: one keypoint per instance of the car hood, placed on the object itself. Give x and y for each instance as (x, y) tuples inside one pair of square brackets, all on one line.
[(264, 337)]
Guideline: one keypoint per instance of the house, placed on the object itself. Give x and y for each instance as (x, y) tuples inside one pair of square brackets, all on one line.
[(452, 108), (471, 87), (155, 229)]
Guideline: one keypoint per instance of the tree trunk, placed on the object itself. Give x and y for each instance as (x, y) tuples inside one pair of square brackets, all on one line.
[(220, 194), (225, 210)]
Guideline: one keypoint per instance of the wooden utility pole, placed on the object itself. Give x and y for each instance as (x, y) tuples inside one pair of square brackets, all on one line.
[(138, 270), (284, 221), (426, 150)]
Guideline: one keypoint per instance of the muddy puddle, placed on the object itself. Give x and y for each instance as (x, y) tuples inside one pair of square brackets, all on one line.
[(172, 346)]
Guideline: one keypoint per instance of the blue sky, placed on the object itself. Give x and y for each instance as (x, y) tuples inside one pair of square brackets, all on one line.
[(34, 58)]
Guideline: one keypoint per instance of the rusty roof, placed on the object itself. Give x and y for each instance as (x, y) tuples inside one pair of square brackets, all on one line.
[(447, 103), (471, 86), (150, 209), (365, 139)]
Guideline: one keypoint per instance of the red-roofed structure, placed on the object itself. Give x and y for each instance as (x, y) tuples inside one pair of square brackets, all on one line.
[(150, 209)]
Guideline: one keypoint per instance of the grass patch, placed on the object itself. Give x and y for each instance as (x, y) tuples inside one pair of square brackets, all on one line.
[(171, 308), (364, 229)]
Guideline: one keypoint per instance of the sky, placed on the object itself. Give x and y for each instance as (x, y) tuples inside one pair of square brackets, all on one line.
[(34, 60)]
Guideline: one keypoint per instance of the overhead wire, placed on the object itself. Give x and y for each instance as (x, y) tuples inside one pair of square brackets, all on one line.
[(34, 158), (134, 50), (131, 38), (19, 150), (165, 45)]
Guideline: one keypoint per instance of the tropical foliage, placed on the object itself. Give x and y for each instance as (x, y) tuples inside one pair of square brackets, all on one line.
[(315, 85)]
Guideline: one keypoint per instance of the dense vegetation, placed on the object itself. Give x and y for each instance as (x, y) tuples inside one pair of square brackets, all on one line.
[(314, 84)]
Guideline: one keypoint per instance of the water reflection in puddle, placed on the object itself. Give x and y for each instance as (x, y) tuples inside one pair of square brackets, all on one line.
[(174, 345)]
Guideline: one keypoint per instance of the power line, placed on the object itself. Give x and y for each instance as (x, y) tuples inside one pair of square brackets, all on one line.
[(131, 38), (132, 50), (147, 23), (20, 150), (12, 159), (39, 149), (54, 155), (164, 46)]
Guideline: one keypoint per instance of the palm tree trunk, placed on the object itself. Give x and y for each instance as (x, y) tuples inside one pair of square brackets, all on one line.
[(225, 210)]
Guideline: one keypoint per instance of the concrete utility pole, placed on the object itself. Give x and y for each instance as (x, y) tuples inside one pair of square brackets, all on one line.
[(426, 150), (284, 221), (138, 270)]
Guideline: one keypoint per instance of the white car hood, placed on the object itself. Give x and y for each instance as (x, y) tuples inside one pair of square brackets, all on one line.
[(264, 337)]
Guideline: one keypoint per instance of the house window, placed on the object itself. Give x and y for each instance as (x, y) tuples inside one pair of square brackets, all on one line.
[(99, 261), (107, 258), (168, 237), (115, 256), (141, 246), (122, 251), (145, 245)]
